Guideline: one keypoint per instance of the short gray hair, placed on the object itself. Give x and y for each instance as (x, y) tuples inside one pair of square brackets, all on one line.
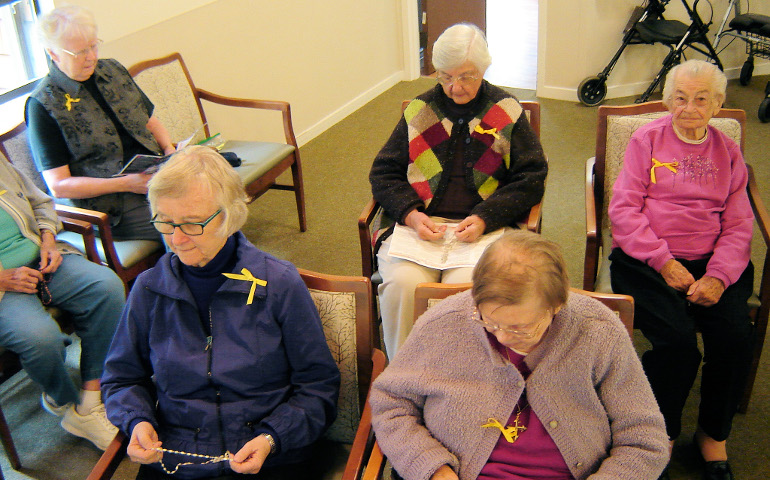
[(693, 69), (206, 166), (461, 43), (64, 22), (519, 265)]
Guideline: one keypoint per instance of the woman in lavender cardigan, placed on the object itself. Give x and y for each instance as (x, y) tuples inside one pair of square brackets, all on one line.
[(518, 379)]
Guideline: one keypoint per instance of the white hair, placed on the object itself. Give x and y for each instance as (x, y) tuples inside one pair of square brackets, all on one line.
[(66, 22), (694, 69), (460, 43)]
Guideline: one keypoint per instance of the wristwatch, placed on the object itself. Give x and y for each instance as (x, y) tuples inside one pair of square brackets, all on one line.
[(270, 441)]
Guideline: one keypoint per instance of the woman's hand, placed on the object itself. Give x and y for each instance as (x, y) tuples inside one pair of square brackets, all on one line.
[(444, 472), (137, 183), (20, 280), (424, 226), (676, 276), (250, 458), (144, 441), (706, 292), (50, 258), (470, 229)]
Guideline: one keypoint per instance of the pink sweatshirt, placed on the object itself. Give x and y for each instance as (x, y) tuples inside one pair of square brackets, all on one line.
[(675, 199)]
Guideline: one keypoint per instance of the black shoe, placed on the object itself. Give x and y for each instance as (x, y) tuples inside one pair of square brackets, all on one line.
[(718, 470)]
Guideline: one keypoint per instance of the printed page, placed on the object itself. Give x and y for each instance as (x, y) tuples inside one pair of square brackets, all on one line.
[(448, 252)]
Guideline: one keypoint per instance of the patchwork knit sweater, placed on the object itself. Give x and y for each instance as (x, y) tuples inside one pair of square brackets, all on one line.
[(504, 163)]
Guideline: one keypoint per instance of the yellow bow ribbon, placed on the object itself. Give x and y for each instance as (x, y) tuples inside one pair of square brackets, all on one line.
[(247, 276), (491, 131), (655, 164), (511, 432), (70, 101)]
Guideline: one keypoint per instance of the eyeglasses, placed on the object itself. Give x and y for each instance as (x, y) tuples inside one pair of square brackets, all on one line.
[(192, 229), (521, 333), (94, 47), (461, 80), (698, 101)]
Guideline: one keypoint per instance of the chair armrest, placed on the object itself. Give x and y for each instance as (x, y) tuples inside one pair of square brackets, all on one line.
[(278, 105), (110, 459), (534, 218), (365, 237), (102, 221), (591, 264), (364, 439), (86, 230)]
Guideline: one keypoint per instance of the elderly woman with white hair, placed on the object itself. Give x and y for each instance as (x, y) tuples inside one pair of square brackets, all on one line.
[(220, 348), (681, 232), (86, 119), (464, 152)]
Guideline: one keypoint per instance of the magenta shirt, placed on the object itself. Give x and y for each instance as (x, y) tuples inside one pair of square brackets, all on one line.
[(534, 454), (696, 206)]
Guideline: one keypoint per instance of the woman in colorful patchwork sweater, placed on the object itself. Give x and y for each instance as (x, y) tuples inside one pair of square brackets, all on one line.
[(681, 229), (463, 151)]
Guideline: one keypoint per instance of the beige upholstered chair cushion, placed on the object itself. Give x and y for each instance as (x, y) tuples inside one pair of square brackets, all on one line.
[(338, 316), (619, 132), (168, 89)]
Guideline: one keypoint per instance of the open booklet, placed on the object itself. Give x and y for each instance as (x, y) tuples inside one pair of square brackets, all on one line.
[(151, 163), (448, 252)]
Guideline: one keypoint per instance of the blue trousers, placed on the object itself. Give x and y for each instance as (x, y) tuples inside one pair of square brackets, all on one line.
[(671, 324), (93, 295)]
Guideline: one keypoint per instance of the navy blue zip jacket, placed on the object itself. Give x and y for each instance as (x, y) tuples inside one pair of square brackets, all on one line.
[(265, 368)]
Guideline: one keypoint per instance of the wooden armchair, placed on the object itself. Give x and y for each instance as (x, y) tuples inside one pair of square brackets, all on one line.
[(128, 258), (615, 126), (372, 212), (344, 304), (167, 82)]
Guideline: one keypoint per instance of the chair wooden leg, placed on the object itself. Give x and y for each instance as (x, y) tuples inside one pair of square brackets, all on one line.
[(299, 191), (10, 448)]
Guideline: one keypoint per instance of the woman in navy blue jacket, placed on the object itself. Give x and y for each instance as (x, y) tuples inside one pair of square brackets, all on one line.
[(220, 347)]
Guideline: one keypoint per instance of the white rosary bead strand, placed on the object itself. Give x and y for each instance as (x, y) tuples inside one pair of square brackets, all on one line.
[(210, 459)]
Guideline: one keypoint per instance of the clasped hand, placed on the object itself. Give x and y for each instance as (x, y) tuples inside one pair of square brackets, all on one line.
[(706, 291), (144, 442), (471, 228)]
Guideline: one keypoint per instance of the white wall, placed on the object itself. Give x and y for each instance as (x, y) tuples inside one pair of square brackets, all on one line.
[(327, 58), (578, 39)]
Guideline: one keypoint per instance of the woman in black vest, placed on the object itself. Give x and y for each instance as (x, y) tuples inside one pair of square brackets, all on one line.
[(86, 119)]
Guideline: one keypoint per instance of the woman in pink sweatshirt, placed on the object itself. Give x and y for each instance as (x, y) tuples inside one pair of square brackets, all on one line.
[(681, 230)]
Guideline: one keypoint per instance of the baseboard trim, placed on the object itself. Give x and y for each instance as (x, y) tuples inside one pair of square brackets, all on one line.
[(636, 88), (348, 108)]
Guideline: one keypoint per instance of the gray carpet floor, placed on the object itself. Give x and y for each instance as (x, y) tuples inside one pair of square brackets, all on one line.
[(335, 167)]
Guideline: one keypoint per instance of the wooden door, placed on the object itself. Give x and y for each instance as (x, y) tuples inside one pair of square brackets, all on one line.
[(438, 15)]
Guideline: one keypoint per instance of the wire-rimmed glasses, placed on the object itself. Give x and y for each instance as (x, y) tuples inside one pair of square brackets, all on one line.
[(94, 47), (491, 327)]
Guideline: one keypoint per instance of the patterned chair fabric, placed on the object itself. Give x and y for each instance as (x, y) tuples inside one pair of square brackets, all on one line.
[(338, 316)]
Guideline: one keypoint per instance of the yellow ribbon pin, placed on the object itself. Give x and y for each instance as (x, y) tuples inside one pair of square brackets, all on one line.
[(491, 131), (70, 101), (247, 276), (655, 164), (511, 432), (2, 192)]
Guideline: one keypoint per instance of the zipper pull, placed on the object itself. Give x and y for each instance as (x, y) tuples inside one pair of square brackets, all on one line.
[(209, 341)]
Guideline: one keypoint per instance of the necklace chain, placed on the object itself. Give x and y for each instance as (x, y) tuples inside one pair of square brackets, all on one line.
[(210, 459)]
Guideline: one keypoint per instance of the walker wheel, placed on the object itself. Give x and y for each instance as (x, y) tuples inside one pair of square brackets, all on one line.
[(746, 71), (764, 110), (591, 91)]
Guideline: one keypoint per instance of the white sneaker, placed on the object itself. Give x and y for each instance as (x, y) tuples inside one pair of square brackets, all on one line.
[(50, 405), (94, 426)]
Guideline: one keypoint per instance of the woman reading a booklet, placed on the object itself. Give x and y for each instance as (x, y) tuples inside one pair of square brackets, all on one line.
[(519, 379), (86, 119), (462, 151)]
